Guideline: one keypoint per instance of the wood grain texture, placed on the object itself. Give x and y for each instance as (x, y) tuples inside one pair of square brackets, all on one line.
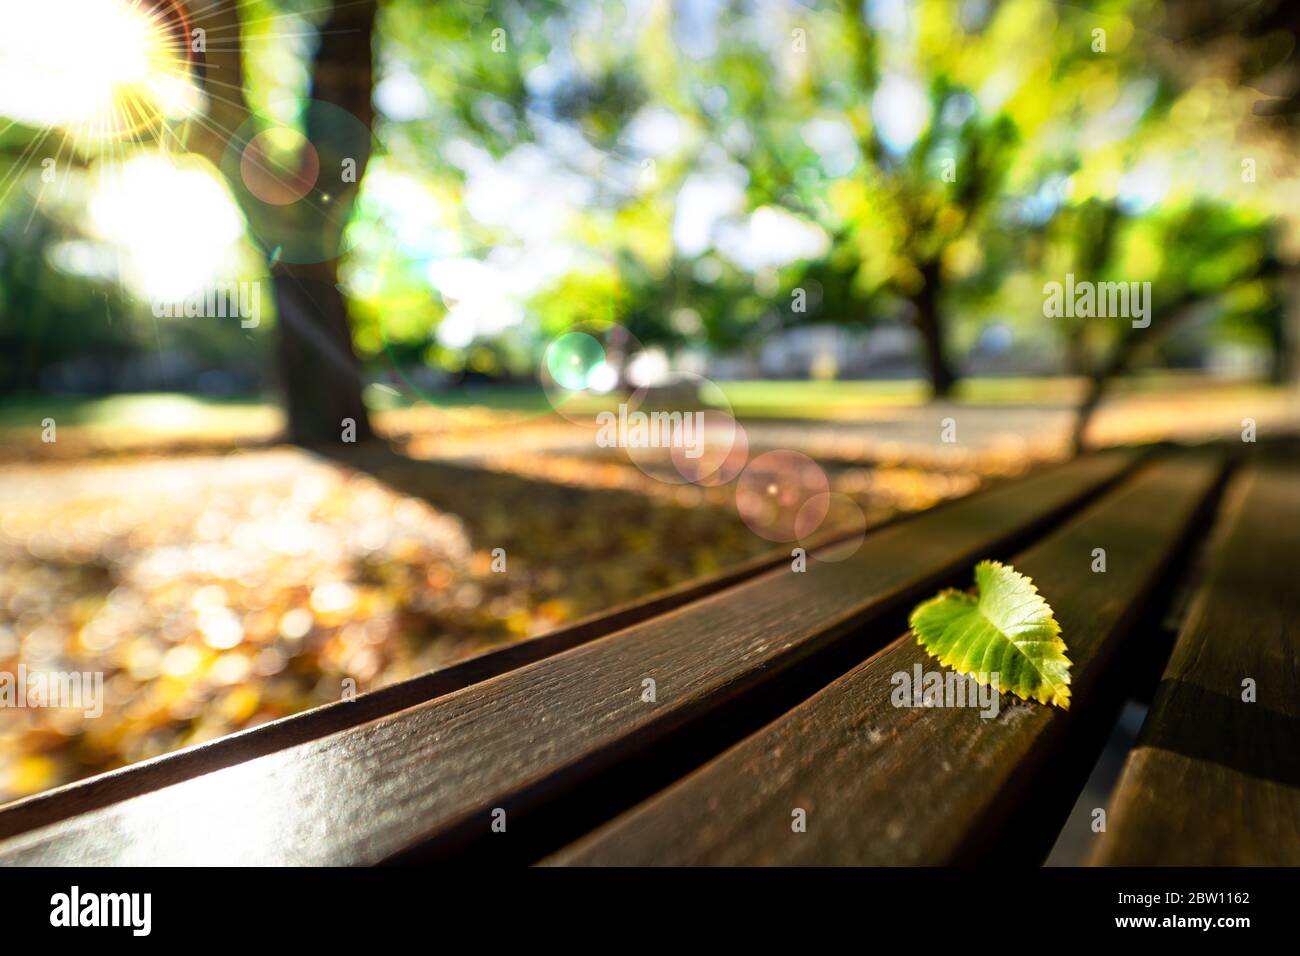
[(434, 772), (106, 788), (1214, 780), (885, 785)]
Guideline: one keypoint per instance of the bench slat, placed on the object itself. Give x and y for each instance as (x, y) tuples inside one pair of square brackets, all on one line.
[(884, 785), (103, 789), (1214, 780), (433, 773)]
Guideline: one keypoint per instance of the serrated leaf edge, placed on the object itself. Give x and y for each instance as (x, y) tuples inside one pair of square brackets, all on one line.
[(1058, 696)]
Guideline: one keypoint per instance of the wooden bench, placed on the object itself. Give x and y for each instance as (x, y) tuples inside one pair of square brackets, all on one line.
[(1214, 779), (772, 696)]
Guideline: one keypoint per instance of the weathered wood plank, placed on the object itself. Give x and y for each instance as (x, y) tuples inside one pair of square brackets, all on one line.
[(1214, 780), (106, 788), (886, 785), (434, 773)]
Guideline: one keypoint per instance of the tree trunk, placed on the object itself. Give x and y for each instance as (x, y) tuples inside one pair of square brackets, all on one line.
[(1117, 361), (930, 324), (1280, 370), (1076, 352), (317, 368), (320, 374), (221, 75), (1097, 383), (1290, 305)]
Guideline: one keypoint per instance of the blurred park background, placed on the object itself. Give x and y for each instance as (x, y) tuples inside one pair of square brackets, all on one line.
[(462, 229)]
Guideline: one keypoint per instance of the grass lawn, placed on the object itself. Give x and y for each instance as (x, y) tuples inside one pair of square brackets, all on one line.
[(127, 420), (836, 399), (844, 399), (157, 412)]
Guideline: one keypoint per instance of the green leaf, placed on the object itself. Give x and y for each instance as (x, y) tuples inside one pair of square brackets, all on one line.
[(1008, 630)]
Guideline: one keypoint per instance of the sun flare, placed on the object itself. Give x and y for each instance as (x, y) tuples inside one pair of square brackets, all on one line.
[(101, 70)]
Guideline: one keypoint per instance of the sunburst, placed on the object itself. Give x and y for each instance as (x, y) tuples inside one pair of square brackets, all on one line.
[(94, 78), (99, 71)]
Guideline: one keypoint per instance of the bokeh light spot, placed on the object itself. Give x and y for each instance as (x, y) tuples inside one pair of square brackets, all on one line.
[(279, 166), (774, 488), (724, 451), (831, 514), (573, 359)]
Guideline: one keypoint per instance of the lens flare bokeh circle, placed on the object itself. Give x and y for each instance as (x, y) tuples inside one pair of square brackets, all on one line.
[(723, 456), (588, 369), (681, 432), (831, 514), (576, 361), (297, 183), (776, 488), (279, 166)]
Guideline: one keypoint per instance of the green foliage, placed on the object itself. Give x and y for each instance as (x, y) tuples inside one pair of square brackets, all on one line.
[(1019, 171), (1011, 179), (1007, 629)]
